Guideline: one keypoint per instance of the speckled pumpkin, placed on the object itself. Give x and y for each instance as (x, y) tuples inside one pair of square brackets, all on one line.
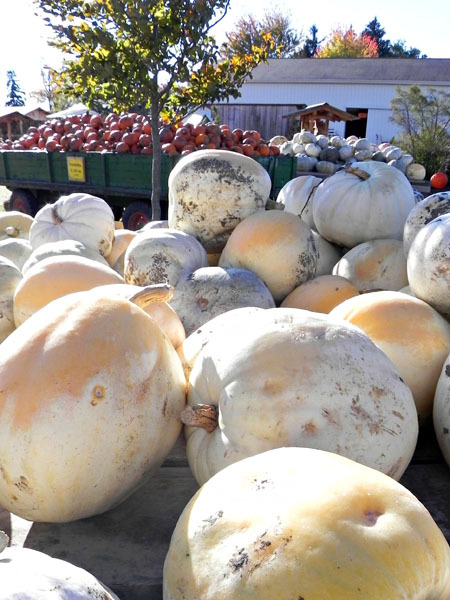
[(275, 245), (303, 524), (211, 191), (410, 332), (97, 412), (321, 294), (296, 378), (374, 265)]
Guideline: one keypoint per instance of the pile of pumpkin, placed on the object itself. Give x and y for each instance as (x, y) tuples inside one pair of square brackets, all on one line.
[(300, 348), (327, 154), (131, 133)]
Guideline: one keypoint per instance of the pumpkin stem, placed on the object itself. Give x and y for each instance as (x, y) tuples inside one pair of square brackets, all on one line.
[(56, 218), (363, 175), (200, 415), (4, 541), (159, 292), (12, 231)]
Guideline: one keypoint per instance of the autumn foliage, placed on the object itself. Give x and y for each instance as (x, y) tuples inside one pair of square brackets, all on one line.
[(348, 44)]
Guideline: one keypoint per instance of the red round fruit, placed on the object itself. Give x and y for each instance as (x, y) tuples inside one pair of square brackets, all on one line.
[(439, 180)]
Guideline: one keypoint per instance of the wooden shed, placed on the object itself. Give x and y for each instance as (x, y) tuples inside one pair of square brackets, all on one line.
[(316, 117), (15, 120)]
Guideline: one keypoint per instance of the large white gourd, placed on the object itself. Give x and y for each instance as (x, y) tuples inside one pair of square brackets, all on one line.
[(296, 378), (78, 216), (211, 191), (367, 201), (303, 524)]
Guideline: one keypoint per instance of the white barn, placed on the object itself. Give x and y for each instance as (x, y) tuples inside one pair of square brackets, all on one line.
[(363, 87)]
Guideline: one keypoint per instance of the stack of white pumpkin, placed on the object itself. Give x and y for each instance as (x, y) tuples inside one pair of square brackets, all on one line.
[(327, 154)]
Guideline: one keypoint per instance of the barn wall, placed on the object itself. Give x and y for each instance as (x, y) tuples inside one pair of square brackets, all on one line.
[(265, 118)]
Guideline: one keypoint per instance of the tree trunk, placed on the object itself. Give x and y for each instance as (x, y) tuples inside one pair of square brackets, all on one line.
[(156, 167)]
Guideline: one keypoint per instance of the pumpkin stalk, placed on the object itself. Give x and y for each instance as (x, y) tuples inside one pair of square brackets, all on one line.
[(4, 541), (12, 231), (56, 218), (200, 415), (358, 172), (159, 292)]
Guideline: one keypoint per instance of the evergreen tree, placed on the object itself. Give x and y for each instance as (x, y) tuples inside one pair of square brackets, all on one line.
[(376, 32), (15, 96), (311, 45)]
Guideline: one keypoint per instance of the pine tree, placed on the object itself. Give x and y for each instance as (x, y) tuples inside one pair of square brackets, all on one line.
[(14, 94)]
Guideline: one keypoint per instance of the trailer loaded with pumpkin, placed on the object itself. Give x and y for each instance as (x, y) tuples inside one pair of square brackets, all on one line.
[(246, 400)]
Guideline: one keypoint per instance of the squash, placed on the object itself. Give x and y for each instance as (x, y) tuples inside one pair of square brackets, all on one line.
[(326, 167), (297, 523), (33, 575), (366, 201), (330, 154), (10, 277), (292, 377), (211, 191), (78, 216), (275, 245), (337, 141), (425, 211), (162, 255), (374, 265), (441, 411), (14, 224), (121, 241), (62, 248), (411, 333), (57, 276), (328, 255), (346, 152), (297, 197), (416, 172), (322, 140), (98, 410), (304, 163), (362, 144), (161, 312), (321, 294), (210, 291), (17, 250), (428, 264), (312, 150)]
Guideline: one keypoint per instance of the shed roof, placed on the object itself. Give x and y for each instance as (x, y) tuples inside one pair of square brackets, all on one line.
[(422, 71), (23, 111), (323, 110)]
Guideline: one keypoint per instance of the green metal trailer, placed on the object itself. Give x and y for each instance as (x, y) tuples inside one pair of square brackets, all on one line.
[(124, 181)]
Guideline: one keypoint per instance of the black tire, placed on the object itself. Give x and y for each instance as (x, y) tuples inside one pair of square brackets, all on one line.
[(23, 201), (136, 215)]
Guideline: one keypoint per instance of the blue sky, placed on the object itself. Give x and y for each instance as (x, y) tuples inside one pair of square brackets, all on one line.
[(424, 25)]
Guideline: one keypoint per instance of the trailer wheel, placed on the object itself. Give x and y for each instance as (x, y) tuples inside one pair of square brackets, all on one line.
[(136, 215), (23, 201)]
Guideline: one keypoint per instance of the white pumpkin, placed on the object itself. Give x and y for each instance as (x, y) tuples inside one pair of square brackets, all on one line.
[(425, 211), (374, 265), (211, 291), (416, 172), (78, 216), (296, 378), (211, 191), (428, 264), (163, 255), (441, 410), (17, 250), (328, 255), (312, 150), (62, 248), (296, 523), (14, 224), (32, 575), (10, 277), (277, 246), (410, 332), (297, 197), (367, 201)]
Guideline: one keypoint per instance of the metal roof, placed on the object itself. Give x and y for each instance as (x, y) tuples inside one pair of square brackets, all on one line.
[(425, 71)]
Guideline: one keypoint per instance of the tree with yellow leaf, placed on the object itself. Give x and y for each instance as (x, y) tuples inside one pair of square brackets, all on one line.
[(146, 55)]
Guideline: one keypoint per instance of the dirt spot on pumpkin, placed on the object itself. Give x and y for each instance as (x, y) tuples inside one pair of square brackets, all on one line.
[(239, 560), (310, 427), (22, 484)]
